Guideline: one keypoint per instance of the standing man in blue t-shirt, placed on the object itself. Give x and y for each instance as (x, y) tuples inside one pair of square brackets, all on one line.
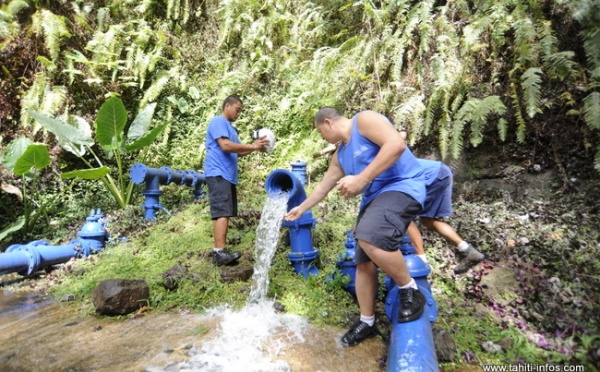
[(373, 160), (221, 171)]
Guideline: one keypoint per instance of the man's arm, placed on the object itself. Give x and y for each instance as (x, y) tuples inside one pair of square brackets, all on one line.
[(243, 149), (332, 176)]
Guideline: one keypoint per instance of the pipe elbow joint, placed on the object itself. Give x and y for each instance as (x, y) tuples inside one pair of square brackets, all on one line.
[(283, 181)]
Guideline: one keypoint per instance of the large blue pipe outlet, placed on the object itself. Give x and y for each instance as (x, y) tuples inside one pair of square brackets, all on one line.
[(303, 255), (26, 259), (154, 177), (411, 347)]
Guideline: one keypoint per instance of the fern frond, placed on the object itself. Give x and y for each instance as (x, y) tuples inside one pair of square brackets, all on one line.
[(531, 83), (502, 129), (435, 100), (409, 115), (54, 99), (31, 99), (476, 111), (591, 110), (597, 159), (560, 65), (525, 36), (443, 136), (521, 124), (53, 27), (157, 86)]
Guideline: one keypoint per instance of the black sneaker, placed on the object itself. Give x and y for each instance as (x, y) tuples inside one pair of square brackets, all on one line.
[(358, 333), (468, 259), (225, 257), (411, 306)]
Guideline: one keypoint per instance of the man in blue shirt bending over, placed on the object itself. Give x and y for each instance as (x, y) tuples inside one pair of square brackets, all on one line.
[(221, 171), (372, 159)]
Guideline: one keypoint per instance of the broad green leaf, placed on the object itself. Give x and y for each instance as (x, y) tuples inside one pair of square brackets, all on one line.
[(16, 226), (87, 174), (181, 104), (110, 122), (146, 140), (36, 156), (84, 127), (62, 130), (14, 151), (141, 123)]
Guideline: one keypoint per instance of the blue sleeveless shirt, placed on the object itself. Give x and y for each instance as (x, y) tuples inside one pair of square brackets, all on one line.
[(405, 175)]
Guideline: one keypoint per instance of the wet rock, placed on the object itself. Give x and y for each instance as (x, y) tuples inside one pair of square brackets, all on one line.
[(242, 272), (491, 347), (279, 307), (175, 274), (507, 343), (67, 298), (119, 296), (444, 345)]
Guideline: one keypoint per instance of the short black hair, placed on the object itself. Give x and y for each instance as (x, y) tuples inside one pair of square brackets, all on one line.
[(232, 100), (327, 112)]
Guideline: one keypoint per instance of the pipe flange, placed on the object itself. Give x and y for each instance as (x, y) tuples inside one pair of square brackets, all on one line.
[(169, 174)]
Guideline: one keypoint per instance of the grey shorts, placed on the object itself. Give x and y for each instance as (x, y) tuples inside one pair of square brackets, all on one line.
[(222, 197), (383, 222)]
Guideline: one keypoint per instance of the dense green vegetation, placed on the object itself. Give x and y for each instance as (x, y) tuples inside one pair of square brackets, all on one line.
[(518, 79)]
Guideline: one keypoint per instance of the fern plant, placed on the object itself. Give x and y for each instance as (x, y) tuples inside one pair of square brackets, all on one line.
[(9, 27), (586, 12)]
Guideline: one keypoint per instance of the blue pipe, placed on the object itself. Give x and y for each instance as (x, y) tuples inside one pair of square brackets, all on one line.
[(411, 345), (346, 261), (26, 259), (154, 177), (303, 255)]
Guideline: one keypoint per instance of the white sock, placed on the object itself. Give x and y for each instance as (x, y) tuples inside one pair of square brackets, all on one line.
[(424, 258), (217, 249), (463, 246), (411, 284), (370, 320)]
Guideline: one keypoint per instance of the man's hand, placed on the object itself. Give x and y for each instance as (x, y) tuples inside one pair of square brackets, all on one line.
[(261, 144), (350, 186), (293, 214)]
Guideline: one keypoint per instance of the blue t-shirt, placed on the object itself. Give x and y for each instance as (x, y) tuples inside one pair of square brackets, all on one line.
[(218, 162), (431, 169), (405, 175)]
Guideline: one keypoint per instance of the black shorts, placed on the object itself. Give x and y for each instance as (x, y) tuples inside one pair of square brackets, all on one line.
[(384, 221), (222, 197)]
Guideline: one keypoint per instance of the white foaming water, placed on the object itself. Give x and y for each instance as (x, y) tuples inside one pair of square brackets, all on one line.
[(248, 340), (267, 234), (251, 339)]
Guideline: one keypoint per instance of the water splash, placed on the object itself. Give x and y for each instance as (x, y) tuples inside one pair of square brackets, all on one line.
[(248, 340), (252, 338), (267, 234)]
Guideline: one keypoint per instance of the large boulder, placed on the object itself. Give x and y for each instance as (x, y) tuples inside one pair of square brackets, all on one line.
[(120, 296)]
